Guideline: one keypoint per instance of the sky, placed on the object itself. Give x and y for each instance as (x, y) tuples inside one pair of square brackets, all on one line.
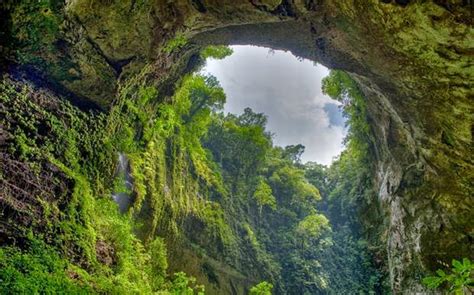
[(288, 91)]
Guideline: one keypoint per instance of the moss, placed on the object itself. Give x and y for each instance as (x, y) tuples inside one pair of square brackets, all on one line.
[(38, 40), (251, 236), (268, 4), (35, 26), (217, 226), (37, 269), (90, 242), (175, 44), (124, 40)]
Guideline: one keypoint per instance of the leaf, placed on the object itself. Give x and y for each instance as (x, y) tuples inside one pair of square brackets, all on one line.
[(457, 265), (466, 263), (432, 282), (441, 273)]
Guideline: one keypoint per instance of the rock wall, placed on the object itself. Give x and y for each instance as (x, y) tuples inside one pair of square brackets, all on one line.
[(413, 60)]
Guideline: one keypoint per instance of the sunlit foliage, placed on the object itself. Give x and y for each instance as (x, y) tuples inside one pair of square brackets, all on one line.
[(347, 199), (175, 44), (200, 178), (216, 52), (169, 166), (263, 195), (263, 288), (459, 279), (312, 226), (260, 176)]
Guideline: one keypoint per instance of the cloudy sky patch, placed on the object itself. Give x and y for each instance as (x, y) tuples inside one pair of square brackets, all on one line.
[(288, 91)]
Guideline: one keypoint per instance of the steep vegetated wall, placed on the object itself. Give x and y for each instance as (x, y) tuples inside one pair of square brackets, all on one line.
[(412, 61)]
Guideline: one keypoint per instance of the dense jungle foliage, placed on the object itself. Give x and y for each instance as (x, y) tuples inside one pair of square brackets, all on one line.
[(201, 179)]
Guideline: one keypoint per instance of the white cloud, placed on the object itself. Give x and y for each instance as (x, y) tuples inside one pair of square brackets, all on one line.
[(288, 90)]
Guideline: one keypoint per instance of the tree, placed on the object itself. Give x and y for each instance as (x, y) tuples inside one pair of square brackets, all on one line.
[(316, 174), (312, 227), (294, 153), (263, 288), (340, 86), (263, 195), (184, 285), (216, 51), (250, 118), (459, 280), (239, 144), (292, 189), (204, 92)]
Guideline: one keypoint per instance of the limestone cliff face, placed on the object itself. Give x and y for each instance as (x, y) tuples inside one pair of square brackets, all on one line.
[(413, 60)]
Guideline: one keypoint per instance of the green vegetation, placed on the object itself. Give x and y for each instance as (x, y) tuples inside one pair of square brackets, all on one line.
[(35, 37), (216, 52), (263, 195), (347, 194), (91, 245), (348, 260), (263, 288), (39, 270), (176, 43), (294, 246), (213, 185), (312, 226), (340, 86), (458, 281), (181, 285), (35, 28), (202, 180)]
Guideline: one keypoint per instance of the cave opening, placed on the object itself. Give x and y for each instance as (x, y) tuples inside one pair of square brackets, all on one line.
[(289, 91), (275, 102)]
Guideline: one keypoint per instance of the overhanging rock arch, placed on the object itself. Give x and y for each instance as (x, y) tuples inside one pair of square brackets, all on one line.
[(413, 60)]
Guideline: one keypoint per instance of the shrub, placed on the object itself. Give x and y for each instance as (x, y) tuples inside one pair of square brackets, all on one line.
[(40, 270), (176, 43), (216, 52), (459, 280), (263, 288)]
